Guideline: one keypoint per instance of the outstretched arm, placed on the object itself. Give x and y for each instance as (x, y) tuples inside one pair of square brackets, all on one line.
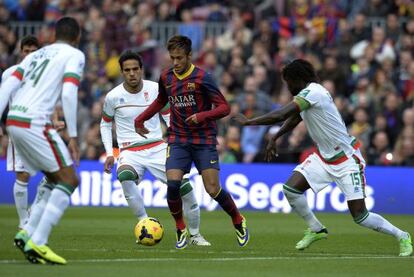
[(288, 125), (271, 118)]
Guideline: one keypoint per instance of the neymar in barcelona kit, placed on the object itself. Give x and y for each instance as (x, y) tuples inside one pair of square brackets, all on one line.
[(196, 103)]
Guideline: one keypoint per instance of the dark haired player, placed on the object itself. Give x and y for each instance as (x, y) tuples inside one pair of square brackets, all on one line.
[(44, 77), (138, 154), (195, 103), (337, 159)]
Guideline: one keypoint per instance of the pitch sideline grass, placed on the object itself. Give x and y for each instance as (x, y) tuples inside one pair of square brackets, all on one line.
[(100, 242)]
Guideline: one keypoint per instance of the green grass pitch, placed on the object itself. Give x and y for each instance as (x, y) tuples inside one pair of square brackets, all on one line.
[(100, 242)]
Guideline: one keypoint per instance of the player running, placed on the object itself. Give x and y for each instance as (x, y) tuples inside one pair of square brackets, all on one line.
[(338, 158), (138, 154), (195, 103), (41, 79)]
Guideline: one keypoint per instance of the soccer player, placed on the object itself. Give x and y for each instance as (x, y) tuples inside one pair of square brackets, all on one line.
[(337, 159), (28, 44), (138, 154), (195, 104), (41, 79)]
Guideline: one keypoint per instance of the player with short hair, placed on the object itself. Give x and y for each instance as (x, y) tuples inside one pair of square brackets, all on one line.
[(28, 44), (195, 103), (337, 159), (137, 154), (41, 79)]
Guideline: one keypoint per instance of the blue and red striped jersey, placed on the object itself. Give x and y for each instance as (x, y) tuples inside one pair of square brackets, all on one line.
[(193, 92)]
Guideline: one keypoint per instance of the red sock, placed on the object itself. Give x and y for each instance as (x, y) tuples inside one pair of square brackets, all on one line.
[(226, 202)]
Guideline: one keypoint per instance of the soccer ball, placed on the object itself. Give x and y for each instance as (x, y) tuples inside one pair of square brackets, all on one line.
[(149, 231)]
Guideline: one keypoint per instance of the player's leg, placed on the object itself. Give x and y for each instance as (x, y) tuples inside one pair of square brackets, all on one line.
[(21, 196), (206, 160), (309, 174), (178, 163), (192, 213), (44, 189), (129, 178), (43, 149), (36, 249), (352, 185), (377, 223), (191, 209)]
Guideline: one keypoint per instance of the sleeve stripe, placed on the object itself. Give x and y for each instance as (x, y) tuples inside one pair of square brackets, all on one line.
[(18, 73), (70, 74), (302, 103), (71, 78), (106, 117)]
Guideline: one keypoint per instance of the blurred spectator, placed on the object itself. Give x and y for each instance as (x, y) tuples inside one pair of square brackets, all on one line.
[(191, 29), (375, 8), (331, 71), (116, 33), (393, 29), (232, 139), (216, 13), (252, 136), (360, 128), (408, 84), (237, 33), (392, 113), (225, 156), (362, 97), (360, 30), (262, 103), (266, 36), (382, 47), (380, 152), (404, 148), (164, 12)]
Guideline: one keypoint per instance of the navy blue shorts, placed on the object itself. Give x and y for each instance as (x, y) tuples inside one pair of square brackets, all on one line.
[(182, 155)]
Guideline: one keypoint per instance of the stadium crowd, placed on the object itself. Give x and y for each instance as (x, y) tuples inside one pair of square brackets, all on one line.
[(363, 51)]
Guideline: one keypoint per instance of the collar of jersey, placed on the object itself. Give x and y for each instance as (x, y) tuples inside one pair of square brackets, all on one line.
[(185, 74)]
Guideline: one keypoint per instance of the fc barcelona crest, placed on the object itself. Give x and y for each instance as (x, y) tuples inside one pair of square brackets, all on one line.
[(146, 96), (191, 86)]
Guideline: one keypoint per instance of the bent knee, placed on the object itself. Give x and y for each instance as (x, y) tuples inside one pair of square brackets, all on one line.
[(72, 181), (127, 173), (360, 216), (212, 189), (291, 191), (23, 176)]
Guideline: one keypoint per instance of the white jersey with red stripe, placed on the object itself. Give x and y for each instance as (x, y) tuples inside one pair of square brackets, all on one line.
[(14, 161), (123, 107), (6, 74), (43, 73), (324, 123)]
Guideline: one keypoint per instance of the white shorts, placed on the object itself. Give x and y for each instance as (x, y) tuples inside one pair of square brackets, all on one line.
[(152, 159), (349, 175), (40, 148), (14, 161)]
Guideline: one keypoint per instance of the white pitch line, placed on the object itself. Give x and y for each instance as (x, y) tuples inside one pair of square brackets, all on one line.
[(223, 259), (205, 251)]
